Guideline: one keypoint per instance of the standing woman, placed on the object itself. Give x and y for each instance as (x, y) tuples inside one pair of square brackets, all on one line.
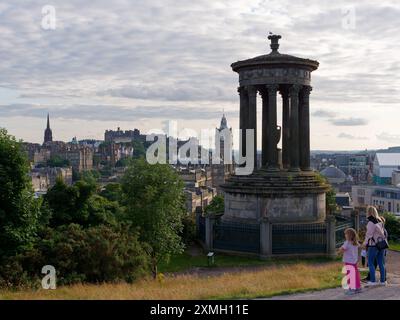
[(375, 231)]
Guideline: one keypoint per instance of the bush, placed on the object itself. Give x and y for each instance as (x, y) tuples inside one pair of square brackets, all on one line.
[(188, 234), (96, 254), (392, 226), (216, 206), (12, 275)]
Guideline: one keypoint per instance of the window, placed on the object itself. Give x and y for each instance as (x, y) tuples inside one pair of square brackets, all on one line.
[(361, 192)]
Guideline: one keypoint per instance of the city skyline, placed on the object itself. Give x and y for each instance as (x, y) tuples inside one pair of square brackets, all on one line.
[(104, 66)]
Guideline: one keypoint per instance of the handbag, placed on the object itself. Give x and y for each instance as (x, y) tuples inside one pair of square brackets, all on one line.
[(381, 244)]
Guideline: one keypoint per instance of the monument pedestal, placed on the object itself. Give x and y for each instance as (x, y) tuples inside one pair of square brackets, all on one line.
[(282, 197)]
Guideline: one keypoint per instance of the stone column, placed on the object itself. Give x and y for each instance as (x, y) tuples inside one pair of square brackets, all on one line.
[(209, 232), (265, 238), (264, 131), (285, 128), (252, 94), (243, 120), (294, 128), (356, 218), (304, 118), (273, 132), (331, 236)]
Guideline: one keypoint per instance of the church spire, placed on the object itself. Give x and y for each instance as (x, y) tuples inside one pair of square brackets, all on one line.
[(48, 134)]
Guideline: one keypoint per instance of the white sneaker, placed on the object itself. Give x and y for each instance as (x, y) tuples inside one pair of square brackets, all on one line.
[(371, 284), (383, 283)]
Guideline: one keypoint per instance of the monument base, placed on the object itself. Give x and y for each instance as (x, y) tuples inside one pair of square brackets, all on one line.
[(282, 197)]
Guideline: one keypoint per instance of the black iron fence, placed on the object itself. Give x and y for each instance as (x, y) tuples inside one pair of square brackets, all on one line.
[(311, 238), (201, 227), (342, 223), (299, 238), (232, 236)]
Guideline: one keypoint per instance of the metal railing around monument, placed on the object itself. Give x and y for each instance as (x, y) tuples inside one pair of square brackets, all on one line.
[(299, 238), (233, 236), (342, 223), (201, 227)]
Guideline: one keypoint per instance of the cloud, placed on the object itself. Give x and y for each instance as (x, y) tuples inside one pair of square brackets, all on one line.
[(349, 122), (389, 137), (111, 112), (324, 114), (142, 59), (343, 135), (181, 92)]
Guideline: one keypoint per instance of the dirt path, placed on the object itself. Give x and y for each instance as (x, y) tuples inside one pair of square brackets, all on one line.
[(390, 292)]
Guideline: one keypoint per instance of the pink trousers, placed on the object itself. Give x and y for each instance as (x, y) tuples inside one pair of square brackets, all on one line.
[(354, 280)]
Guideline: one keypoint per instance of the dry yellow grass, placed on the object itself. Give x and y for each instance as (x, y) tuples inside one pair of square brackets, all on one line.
[(246, 284)]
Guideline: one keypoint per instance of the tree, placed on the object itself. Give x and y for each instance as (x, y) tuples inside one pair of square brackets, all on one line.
[(331, 206), (154, 199), (95, 254), (392, 225), (57, 161), (112, 191), (79, 204), (19, 212), (124, 162), (216, 206), (139, 150)]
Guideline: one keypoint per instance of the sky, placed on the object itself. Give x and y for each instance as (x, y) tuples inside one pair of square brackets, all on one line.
[(137, 64)]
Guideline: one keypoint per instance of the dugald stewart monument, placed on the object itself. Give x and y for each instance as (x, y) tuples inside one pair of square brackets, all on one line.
[(284, 189), (279, 207)]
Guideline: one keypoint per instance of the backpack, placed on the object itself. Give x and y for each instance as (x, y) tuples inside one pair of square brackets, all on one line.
[(382, 243)]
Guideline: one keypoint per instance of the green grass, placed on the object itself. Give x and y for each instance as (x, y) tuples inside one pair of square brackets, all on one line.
[(394, 245), (185, 261)]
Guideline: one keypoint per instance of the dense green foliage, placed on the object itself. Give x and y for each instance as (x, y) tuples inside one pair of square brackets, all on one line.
[(57, 161), (112, 192), (88, 233), (139, 151), (19, 213), (79, 204), (154, 200), (392, 225), (216, 206), (331, 206)]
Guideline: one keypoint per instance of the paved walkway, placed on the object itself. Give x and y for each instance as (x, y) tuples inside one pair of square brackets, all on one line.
[(390, 292)]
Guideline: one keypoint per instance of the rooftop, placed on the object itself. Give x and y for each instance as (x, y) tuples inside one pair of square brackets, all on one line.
[(275, 58), (388, 159)]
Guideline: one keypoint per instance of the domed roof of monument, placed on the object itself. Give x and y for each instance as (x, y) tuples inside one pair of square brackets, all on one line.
[(333, 173), (275, 58)]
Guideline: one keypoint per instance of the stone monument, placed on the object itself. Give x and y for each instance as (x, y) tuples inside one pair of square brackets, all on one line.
[(284, 189)]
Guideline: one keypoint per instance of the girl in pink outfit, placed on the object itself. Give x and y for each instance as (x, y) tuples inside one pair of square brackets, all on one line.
[(350, 259)]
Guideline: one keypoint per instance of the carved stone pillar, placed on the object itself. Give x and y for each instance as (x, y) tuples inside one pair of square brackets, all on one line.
[(243, 120), (252, 94), (264, 132), (294, 128), (273, 131), (304, 118), (285, 127)]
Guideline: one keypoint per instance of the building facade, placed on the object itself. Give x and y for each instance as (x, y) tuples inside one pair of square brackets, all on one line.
[(383, 167), (385, 198), (224, 169)]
